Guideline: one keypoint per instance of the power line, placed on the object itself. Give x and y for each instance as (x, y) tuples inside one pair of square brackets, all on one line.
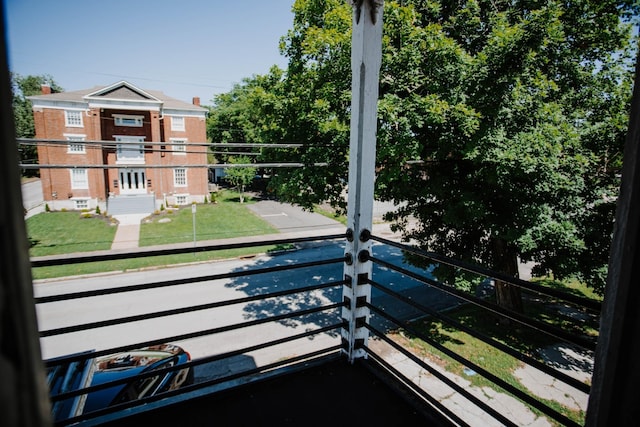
[(175, 166)]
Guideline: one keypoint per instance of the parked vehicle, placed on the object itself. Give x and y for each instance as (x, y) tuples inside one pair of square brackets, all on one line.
[(100, 370)]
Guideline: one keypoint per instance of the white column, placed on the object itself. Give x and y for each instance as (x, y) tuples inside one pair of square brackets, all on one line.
[(366, 53)]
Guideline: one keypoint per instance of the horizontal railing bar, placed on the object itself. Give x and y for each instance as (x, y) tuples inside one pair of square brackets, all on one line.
[(176, 282), (32, 166), (182, 310), (114, 144), (522, 319), (567, 379), (582, 301), (459, 389), (54, 260), (480, 370), (193, 363), (435, 404), (194, 387), (189, 335)]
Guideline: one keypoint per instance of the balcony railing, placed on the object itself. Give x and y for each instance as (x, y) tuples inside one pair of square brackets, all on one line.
[(312, 313)]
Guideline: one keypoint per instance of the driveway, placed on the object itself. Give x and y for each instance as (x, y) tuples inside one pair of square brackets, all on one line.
[(289, 218)]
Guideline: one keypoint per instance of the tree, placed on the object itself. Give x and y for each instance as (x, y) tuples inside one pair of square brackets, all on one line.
[(21, 88), (240, 176), (501, 126), (513, 128)]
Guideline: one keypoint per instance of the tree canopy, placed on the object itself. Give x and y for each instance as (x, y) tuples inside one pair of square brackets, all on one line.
[(22, 87), (501, 124)]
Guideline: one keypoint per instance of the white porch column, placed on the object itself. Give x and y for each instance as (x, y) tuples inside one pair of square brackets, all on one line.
[(366, 53)]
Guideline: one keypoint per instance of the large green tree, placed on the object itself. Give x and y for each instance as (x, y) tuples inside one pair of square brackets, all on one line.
[(22, 87), (501, 125)]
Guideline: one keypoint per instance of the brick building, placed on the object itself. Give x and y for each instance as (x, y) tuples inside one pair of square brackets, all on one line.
[(119, 147)]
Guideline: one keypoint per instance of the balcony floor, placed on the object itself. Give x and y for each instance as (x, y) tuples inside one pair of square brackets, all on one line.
[(334, 393)]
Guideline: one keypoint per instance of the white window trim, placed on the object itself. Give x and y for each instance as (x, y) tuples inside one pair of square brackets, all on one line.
[(175, 181), (77, 185), (131, 142), (73, 125), (119, 120), (178, 126), (76, 138), (179, 146)]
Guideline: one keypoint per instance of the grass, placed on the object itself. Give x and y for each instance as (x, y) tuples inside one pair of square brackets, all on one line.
[(486, 356), (330, 214), (225, 219), (56, 233)]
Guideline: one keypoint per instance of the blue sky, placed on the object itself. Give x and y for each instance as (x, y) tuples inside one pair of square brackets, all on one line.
[(183, 48)]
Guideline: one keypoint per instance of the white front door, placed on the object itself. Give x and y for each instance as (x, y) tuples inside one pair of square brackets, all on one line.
[(132, 181)]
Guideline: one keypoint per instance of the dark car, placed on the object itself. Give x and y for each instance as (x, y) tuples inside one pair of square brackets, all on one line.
[(100, 370)]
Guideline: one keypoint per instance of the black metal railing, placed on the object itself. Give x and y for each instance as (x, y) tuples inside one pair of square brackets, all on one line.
[(482, 304), (382, 322), (328, 310)]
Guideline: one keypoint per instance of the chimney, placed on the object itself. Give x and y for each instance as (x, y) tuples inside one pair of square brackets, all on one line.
[(46, 89), (196, 100)]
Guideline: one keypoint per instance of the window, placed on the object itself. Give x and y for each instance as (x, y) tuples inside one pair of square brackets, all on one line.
[(79, 179), (73, 147), (179, 146), (73, 118), (131, 150), (177, 123), (180, 177), (81, 204), (130, 121), (181, 199)]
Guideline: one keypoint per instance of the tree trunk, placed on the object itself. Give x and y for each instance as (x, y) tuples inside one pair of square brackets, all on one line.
[(506, 261)]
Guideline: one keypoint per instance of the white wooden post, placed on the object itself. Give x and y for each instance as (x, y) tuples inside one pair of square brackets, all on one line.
[(366, 53)]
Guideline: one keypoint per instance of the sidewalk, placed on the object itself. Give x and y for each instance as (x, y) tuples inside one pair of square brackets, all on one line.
[(128, 231)]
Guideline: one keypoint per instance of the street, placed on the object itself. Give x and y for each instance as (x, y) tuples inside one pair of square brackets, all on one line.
[(74, 312)]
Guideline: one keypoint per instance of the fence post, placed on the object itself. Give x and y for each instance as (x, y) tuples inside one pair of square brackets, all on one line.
[(366, 53)]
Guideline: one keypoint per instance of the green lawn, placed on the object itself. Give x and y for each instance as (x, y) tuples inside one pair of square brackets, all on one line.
[(495, 361), (222, 220), (56, 233)]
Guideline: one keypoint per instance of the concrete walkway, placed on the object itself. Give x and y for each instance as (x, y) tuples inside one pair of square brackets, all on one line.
[(128, 231)]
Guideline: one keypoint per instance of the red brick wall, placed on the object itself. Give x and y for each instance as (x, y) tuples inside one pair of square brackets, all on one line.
[(100, 125)]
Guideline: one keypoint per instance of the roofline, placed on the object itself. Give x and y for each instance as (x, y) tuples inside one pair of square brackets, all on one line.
[(121, 83)]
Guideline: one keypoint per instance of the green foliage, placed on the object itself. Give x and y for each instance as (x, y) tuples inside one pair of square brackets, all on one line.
[(511, 114), (21, 88), (242, 175)]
